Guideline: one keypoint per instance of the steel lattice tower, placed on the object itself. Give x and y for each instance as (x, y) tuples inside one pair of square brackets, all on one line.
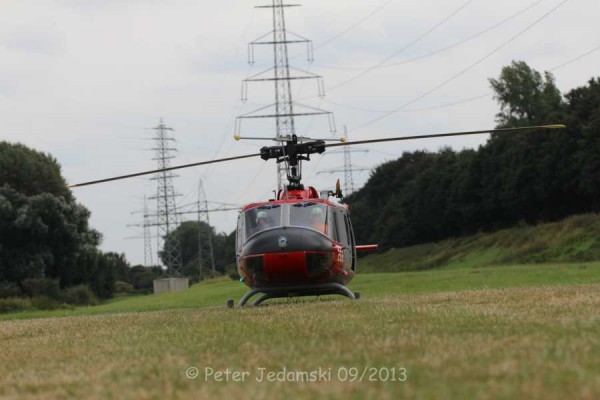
[(165, 198), (203, 216), (148, 258), (348, 178), (348, 167), (284, 110)]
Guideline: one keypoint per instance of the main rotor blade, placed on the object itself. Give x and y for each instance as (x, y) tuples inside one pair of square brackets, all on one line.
[(440, 135), (156, 171)]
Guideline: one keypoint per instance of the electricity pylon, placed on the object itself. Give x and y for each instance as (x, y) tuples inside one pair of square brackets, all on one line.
[(203, 216), (284, 110), (166, 219), (148, 257), (348, 168)]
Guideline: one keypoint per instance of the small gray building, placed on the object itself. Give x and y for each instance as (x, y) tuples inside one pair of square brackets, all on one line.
[(171, 285)]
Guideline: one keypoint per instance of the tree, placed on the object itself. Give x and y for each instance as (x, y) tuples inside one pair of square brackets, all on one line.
[(142, 277), (583, 107), (532, 177), (44, 233), (31, 172), (188, 236), (525, 97), (40, 236)]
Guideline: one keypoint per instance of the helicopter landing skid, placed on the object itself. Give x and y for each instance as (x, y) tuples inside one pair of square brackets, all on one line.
[(297, 291)]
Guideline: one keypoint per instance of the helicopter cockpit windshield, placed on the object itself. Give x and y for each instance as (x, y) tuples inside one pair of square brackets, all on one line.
[(261, 218), (305, 214), (309, 215)]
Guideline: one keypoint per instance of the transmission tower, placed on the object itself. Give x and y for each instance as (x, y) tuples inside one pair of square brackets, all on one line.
[(348, 167), (148, 258), (284, 110), (203, 213), (146, 225), (166, 220)]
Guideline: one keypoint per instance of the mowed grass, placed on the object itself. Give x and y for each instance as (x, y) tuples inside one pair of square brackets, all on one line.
[(528, 331), (216, 292)]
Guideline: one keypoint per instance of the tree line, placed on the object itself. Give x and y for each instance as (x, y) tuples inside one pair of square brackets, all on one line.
[(528, 177), (48, 251), (192, 235)]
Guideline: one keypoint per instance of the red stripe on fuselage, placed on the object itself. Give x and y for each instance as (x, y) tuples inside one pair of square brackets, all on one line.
[(283, 268)]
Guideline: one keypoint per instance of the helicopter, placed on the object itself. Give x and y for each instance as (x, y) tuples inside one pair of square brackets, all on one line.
[(301, 242)]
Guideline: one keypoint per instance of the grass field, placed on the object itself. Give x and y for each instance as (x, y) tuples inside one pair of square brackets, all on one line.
[(528, 331), (573, 239)]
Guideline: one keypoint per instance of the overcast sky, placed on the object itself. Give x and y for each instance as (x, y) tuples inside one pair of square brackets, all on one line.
[(85, 79)]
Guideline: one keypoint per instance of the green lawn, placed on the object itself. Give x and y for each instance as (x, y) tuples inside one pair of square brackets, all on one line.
[(215, 293), (523, 331)]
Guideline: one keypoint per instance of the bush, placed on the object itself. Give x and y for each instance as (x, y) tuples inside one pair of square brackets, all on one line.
[(9, 290), (42, 287), (143, 277), (80, 295), (123, 288), (14, 304), (46, 303), (232, 272)]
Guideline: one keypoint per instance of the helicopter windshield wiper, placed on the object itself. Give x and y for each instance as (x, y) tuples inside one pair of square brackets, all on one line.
[(304, 204), (269, 207)]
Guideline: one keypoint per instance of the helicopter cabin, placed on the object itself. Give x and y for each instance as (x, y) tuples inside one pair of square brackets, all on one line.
[(296, 239)]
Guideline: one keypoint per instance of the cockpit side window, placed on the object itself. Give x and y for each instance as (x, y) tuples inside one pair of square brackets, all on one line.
[(342, 232), (310, 215), (332, 228), (239, 235), (261, 218)]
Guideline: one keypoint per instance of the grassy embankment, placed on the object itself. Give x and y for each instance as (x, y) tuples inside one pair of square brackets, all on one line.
[(575, 239)]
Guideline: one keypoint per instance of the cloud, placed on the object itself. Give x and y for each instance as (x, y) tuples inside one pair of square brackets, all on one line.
[(83, 79)]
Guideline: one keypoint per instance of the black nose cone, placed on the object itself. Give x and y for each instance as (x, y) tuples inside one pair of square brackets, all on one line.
[(286, 239)]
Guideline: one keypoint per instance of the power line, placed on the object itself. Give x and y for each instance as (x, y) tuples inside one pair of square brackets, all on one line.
[(345, 31), (326, 42), (353, 26), (576, 59), (454, 103), (465, 70), (462, 101), (238, 105), (406, 47), (443, 49)]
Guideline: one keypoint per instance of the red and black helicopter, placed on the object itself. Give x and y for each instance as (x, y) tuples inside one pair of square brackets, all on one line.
[(300, 243)]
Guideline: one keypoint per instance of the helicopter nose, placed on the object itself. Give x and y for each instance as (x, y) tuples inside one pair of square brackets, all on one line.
[(286, 239), (286, 256)]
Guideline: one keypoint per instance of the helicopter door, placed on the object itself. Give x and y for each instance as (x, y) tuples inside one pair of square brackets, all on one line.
[(352, 241), (344, 237), (239, 235)]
